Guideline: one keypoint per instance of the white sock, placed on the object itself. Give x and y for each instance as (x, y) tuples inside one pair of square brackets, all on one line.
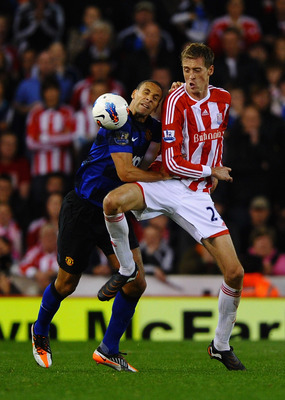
[(118, 229), (229, 299)]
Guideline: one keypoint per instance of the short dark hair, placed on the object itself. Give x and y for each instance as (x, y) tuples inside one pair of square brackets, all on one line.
[(197, 50), (151, 81), (49, 82)]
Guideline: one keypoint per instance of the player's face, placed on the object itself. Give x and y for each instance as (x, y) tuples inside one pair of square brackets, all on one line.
[(196, 76), (145, 100)]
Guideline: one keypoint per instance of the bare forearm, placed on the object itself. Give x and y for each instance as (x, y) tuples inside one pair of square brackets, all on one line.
[(137, 174)]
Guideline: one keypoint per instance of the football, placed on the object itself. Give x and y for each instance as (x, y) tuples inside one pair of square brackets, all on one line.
[(110, 111)]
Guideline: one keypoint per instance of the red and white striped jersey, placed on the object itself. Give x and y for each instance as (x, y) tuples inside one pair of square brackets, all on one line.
[(192, 135), (50, 134), (86, 128), (36, 259)]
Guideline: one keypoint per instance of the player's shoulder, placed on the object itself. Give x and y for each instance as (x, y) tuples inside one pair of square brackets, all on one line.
[(176, 95), (219, 94)]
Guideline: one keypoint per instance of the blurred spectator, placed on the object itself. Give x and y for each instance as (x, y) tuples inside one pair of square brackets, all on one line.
[(280, 226), (86, 128), (273, 127), (139, 65), (197, 260), (6, 262), (51, 216), (164, 76), (273, 73), (78, 36), (28, 93), (259, 52), (100, 71), (10, 51), (234, 65), (27, 62), (8, 195), (131, 39), (98, 264), (38, 23), (157, 255), (10, 230), (29, 90), (191, 20), (259, 216), (6, 111), (248, 27), (278, 50), (100, 46), (62, 68), (40, 262), (16, 166), (55, 182), (50, 134), (273, 23), (250, 154), (237, 104), (7, 77), (263, 246)]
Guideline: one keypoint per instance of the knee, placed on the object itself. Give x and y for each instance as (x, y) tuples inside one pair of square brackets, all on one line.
[(110, 204), (66, 287), (234, 277)]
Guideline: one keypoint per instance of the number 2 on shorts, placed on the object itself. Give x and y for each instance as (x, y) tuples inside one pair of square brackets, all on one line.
[(213, 218)]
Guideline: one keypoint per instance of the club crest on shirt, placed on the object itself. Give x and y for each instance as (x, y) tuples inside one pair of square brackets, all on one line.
[(69, 261), (121, 138), (219, 118), (169, 136)]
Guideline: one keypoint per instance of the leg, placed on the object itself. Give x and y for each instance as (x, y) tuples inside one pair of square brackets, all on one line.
[(116, 203), (223, 251), (64, 285), (122, 312)]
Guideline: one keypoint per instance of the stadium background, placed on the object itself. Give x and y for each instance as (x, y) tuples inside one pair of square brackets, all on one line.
[(158, 317)]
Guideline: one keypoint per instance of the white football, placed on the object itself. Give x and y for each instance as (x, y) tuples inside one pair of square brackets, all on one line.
[(110, 111)]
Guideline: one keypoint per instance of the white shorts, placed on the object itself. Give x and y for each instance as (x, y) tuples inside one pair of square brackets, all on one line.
[(193, 211)]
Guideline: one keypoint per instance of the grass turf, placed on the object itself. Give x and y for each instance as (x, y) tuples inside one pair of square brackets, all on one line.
[(167, 370)]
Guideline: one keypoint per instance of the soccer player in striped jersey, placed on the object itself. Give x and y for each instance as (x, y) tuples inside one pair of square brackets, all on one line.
[(114, 158), (194, 120)]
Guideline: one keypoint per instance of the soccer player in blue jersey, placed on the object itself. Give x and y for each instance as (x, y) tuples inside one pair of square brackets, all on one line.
[(114, 159)]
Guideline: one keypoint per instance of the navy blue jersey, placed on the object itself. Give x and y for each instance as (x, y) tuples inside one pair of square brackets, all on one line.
[(97, 175)]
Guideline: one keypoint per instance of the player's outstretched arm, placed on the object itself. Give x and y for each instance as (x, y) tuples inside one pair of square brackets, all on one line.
[(129, 173)]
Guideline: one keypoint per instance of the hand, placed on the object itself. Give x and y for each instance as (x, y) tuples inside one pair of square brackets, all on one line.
[(215, 182), (222, 173), (165, 175), (175, 85)]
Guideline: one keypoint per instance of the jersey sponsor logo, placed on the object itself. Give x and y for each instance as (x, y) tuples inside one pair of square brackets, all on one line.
[(204, 136), (121, 138), (204, 113), (169, 136), (134, 139), (69, 261), (137, 161)]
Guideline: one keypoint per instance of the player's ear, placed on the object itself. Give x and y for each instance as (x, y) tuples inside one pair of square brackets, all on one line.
[(211, 70), (133, 93)]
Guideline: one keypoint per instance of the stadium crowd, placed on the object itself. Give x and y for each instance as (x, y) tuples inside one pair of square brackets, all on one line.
[(55, 60)]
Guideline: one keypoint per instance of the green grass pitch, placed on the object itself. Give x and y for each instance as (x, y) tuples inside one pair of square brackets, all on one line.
[(167, 370)]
